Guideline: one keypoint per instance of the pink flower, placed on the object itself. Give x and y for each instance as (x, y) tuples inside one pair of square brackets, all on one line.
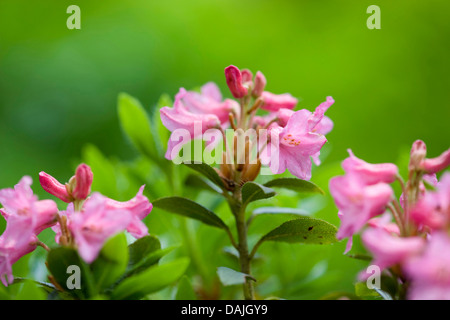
[(17, 240), (385, 223), (417, 154), (209, 101), (298, 141), (433, 208), (180, 117), (139, 207), (388, 249), (21, 201), (68, 214), (437, 164), (357, 202), (370, 173), (92, 227), (234, 81), (274, 102), (430, 272), (78, 188)]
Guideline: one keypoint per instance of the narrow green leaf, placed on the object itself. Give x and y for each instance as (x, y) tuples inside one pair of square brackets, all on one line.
[(111, 263), (252, 191), (230, 277), (208, 172), (191, 209), (185, 290), (294, 184), (303, 230), (196, 181), (136, 124), (151, 280)]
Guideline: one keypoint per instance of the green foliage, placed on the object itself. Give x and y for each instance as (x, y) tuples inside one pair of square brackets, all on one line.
[(230, 277), (252, 191), (298, 185), (136, 125), (208, 172), (153, 279), (185, 291), (303, 230), (191, 209)]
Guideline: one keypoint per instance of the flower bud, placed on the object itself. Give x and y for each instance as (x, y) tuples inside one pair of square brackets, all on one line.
[(437, 164), (234, 81), (260, 84), (247, 75), (54, 187), (83, 182), (418, 154), (274, 102)]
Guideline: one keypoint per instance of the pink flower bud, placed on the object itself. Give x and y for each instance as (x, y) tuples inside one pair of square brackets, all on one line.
[(54, 187), (234, 81), (260, 84), (418, 154), (83, 177), (247, 75), (436, 164), (274, 102)]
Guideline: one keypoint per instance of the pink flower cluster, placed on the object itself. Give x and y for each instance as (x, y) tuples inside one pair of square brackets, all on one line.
[(86, 224), (408, 236), (295, 137)]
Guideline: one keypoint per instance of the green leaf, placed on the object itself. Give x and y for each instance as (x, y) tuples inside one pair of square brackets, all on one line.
[(31, 291), (161, 130), (303, 230), (185, 290), (105, 180), (252, 191), (151, 280), (190, 209), (294, 184), (196, 181), (58, 261), (208, 172), (149, 260), (142, 248), (111, 263), (230, 277), (136, 124)]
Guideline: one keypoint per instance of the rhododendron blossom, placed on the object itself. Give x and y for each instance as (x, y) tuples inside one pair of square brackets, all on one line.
[(284, 139), (416, 247)]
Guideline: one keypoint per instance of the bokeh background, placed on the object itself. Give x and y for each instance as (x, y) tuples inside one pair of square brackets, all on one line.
[(59, 87)]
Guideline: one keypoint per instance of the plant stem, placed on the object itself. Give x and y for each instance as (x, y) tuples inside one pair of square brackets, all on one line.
[(242, 246)]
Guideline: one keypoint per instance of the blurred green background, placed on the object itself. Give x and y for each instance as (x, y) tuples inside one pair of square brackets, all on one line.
[(59, 87)]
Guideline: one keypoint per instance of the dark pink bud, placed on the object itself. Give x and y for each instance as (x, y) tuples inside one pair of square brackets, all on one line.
[(260, 84), (52, 186), (83, 182), (436, 164), (234, 81), (418, 154)]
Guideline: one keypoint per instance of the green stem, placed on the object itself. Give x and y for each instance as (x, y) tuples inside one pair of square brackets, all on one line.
[(242, 246)]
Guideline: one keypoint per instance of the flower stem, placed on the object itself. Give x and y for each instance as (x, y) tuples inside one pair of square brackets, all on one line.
[(242, 246)]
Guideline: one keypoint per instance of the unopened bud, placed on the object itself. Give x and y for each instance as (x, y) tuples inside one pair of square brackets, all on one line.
[(418, 154), (260, 84), (247, 75), (54, 187), (251, 171), (83, 177), (234, 81)]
